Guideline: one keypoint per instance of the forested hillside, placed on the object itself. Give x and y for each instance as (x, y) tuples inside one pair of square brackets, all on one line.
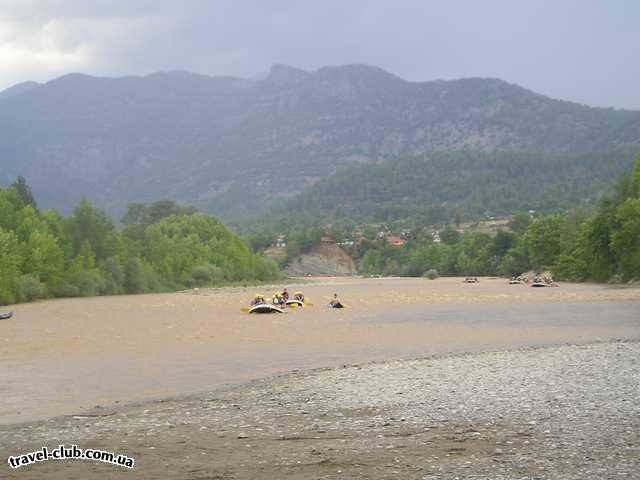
[(439, 188), (233, 146), (163, 247), (603, 246)]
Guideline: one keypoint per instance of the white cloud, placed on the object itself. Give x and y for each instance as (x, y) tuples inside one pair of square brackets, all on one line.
[(28, 51), (41, 40)]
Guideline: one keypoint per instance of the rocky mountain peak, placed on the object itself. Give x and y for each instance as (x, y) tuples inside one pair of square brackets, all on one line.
[(283, 75)]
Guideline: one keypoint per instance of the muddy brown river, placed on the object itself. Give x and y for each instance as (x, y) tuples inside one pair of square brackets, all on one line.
[(62, 357)]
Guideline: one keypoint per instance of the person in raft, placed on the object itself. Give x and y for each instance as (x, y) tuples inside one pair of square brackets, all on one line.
[(278, 299), (258, 299), (335, 302), (299, 296), (285, 295)]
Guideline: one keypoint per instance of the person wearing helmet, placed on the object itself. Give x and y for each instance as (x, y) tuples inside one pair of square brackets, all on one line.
[(258, 299), (298, 296), (278, 300), (285, 295)]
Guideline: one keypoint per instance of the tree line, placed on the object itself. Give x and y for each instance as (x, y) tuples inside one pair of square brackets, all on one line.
[(162, 247), (601, 246)]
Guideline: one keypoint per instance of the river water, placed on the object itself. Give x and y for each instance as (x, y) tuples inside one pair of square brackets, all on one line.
[(68, 356)]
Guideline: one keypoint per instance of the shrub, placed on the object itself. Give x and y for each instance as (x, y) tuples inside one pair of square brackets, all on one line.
[(114, 276), (66, 290), (87, 283), (206, 275), (152, 280), (30, 288), (134, 280), (266, 269), (431, 274), (6, 297)]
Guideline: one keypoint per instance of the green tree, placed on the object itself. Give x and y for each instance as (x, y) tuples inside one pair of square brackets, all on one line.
[(166, 208), (28, 221), (259, 242), (42, 253), (546, 238), (30, 288), (88, 224), (141, 216), (10, 261), (520, 222), (636, 176), (597, 242), (516, 260), (136, 215), (134, 277), (8, 209), (43, 257), (114, 275), (625, 240), (502, 243), (449, 235), (85, 259), (477, 248), (24, 193), (373, 262)]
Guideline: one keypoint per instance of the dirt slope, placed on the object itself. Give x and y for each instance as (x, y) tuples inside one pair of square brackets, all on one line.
[(328, 260)]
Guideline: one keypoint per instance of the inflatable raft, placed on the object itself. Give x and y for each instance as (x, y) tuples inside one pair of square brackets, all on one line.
[(335, 305), (298, 303), (6, 316), (266, 308)]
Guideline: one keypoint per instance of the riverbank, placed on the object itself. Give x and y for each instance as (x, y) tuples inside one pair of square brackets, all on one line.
[(566, 412)]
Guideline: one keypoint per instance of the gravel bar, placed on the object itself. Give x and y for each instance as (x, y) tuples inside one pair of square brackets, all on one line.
[(565, 412)]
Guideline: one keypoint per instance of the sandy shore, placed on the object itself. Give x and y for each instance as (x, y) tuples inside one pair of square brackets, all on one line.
[(565, 412)]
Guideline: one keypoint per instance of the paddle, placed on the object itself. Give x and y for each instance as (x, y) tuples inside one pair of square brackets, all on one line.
[(245, 309)]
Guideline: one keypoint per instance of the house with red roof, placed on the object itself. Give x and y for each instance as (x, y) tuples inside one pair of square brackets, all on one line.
[(395, 241)]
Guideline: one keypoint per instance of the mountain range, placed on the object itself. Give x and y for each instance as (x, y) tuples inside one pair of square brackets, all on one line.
[(233, 146)]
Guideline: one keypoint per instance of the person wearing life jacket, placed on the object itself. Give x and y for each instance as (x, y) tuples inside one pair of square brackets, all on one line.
[(278, 299), (258, 299), (299, 296), (285, 295)]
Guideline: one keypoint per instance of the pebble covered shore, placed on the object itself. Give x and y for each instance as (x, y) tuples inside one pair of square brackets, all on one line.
[(565, 412)]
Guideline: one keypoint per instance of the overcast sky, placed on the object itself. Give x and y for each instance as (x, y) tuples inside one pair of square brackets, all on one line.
[(582, 50)]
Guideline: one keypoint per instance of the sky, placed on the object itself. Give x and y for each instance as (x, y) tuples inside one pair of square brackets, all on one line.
[(586, 51)]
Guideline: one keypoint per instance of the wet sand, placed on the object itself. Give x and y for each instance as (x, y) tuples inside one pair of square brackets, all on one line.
[(62, 357)]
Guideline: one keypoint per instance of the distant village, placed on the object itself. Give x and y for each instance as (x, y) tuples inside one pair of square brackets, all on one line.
[(398, 238)]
